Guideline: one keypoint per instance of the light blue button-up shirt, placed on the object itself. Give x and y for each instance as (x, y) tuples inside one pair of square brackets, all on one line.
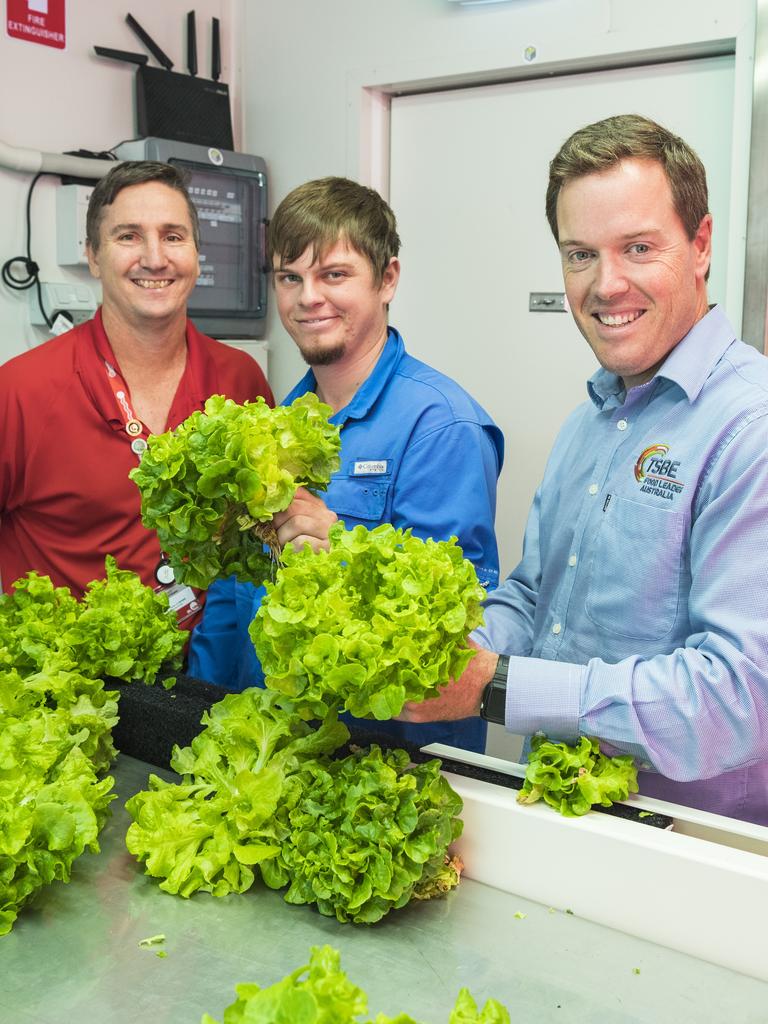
[(639, 611)]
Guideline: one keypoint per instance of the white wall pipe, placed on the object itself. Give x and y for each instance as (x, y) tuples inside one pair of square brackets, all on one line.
[(30, 161)]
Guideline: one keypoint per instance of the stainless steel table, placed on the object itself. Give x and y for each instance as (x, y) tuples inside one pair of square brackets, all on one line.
[(73, 957)]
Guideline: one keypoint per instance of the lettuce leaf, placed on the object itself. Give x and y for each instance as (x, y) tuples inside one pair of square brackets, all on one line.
[(379, 619), (52, 803), (124, 629), (574, 779), (320, 993), (240, 774), (121, 628), (208, 485), (358, 836), (33, 619), (56, 722), (316, 993), (466, 1011), (369, 833)]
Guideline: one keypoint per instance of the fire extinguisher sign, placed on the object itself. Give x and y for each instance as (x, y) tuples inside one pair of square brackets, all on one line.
[(37, 21)]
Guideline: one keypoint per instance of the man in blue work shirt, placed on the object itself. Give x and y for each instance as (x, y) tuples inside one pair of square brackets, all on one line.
[(639, 612), (416, 450)]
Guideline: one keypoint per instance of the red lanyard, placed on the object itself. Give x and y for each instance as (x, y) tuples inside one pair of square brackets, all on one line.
[(183, 600), (134, 428)]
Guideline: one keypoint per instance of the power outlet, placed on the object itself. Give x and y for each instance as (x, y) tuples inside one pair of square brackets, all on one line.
[(77, 300)]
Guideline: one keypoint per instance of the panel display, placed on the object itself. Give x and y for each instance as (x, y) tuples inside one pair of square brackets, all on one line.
[(230, 206)]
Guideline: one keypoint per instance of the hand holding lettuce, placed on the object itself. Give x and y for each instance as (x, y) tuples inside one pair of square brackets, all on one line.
[(377, 620), (380, 619), (211, 487)]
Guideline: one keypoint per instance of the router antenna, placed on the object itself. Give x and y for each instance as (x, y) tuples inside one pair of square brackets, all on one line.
[(215, 50), (191, 44), (149, 42), (131, 58)]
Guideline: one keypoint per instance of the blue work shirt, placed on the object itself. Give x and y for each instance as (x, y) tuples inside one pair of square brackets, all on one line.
[(416, 451), (639, 611)]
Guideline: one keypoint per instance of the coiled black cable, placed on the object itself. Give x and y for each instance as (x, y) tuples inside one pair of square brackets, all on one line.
[(32, 270)]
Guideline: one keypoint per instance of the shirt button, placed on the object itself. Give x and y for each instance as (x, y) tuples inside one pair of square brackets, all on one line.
[(593, 488), (622, 425), (572, 560), (556, 628)]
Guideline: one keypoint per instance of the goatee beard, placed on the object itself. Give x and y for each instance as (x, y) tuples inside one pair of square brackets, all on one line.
[(323, 356)]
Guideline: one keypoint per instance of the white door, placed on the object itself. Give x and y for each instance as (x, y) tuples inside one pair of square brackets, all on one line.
[(468, 175), (467, 181)]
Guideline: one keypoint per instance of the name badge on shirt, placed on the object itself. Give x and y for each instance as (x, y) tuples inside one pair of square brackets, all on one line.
[(373, 467), (181, 599)]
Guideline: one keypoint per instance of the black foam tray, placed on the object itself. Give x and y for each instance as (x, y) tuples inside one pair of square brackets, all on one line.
[(153, 720)]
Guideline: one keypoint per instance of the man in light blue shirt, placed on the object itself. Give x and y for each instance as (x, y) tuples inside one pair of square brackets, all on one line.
[(639, 611), (416, 449)]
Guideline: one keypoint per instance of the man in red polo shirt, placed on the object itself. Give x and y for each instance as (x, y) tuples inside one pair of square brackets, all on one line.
[(76, 411)]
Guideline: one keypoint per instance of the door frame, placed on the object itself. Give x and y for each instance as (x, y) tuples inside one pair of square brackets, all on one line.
[(755, 315), (370, 92)]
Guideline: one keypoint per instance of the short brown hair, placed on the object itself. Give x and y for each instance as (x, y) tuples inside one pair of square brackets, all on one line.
[(321, 212), (135, 172), (602, 145)]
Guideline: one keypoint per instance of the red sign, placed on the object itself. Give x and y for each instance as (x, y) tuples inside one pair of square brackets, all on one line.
[(37, 21)]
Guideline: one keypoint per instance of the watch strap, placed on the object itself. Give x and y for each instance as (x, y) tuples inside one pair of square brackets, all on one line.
[(494, 700)]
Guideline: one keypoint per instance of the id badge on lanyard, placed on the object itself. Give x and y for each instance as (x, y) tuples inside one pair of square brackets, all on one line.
[(182, 600)]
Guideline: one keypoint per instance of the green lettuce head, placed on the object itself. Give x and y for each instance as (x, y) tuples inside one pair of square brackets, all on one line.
[(211, 487), (379, 619)]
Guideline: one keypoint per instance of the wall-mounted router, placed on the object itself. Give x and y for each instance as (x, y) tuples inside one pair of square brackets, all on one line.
[(174, 106)]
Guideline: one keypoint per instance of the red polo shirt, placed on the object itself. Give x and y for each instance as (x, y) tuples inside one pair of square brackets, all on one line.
[(65, 497)]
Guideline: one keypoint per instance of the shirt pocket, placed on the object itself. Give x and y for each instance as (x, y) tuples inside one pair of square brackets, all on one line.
[(634, 573), (359, 499)]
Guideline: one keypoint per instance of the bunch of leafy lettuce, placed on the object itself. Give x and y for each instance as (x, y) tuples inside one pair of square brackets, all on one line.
[(358, 836), (211, 487), (124, 629), (55, 737), (121, 628), (574, 779), (46, 822), (369, 833), (56, 721), (210, 831), (33, 619), (44, 714), (379, 619), (320, 993)]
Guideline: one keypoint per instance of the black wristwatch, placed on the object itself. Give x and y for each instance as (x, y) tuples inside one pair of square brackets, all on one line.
[(494, 702)]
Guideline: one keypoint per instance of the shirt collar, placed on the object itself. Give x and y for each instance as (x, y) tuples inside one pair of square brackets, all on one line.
[(371, 388), (688, 365), (91, 352), (94, 349), (100, 341), (200, 367)]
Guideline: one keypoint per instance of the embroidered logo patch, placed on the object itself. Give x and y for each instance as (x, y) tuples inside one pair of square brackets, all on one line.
[(373, 467), (657, 473)]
